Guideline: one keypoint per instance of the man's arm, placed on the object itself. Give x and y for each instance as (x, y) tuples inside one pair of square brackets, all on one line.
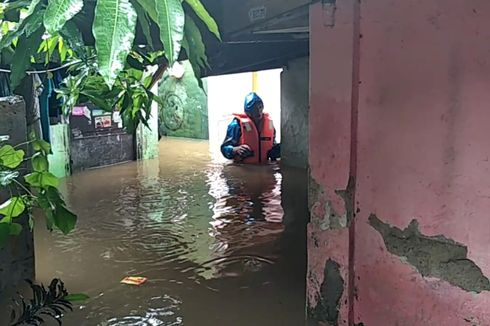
[(275, 152), (232, 139)]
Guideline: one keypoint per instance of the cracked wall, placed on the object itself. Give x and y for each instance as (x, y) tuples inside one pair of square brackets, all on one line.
[(422, 258), (328, 301), (323, 210), (420, 153), (330, 192), (433, 256)]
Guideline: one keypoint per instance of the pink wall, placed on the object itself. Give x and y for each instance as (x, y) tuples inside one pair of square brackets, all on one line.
[(421, 152), (330, 138)]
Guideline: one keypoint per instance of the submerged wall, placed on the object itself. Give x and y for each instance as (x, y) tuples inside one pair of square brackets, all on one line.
[(17, 258), (400, 189), (294, 113)]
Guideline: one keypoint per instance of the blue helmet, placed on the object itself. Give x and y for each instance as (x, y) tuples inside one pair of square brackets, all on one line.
[(252, 100)]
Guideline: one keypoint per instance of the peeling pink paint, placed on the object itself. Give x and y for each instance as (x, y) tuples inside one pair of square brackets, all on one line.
[(423, 139), (423, 151), (330, 140)]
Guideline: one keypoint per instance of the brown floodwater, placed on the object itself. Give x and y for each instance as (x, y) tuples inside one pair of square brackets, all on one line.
[(220, 244)]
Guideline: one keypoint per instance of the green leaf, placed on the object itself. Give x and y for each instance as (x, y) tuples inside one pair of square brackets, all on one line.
[(30, 23), (196, 50), (6, 177), (40, 163), (64, 219), (12, 208), (143, 21), (15, 229), (59, 12), (25, 49), (48, 208), (41, 146), (149, 6), (51, 47), (35, 21), (114, 28), (202, 13), (77, 297), (11, 158), (42, 179), (32, 7), (4, 234), (170, 20), (62, 49), (71, 34)]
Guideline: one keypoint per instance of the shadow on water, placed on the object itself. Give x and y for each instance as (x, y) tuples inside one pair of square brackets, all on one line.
[(214, 241)]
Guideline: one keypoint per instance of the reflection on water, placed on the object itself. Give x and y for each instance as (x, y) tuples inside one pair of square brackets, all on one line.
[(214, 241)]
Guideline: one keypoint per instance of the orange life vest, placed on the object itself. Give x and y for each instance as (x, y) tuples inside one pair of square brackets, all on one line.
[(260, 142)]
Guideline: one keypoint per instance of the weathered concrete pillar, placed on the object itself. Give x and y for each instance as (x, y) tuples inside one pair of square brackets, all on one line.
[(17, 258), (147, 138), (59, 160), (295, 92), (331, 189)]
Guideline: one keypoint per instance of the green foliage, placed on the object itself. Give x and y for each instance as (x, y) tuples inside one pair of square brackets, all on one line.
[(48, 30), (46, 303), (114, 28), (170, 19), (130, 93), (13, 207), (113, 25), (59, 12), (11, 158), (42, 191), (24, 51), (195, 48), (202, 13)]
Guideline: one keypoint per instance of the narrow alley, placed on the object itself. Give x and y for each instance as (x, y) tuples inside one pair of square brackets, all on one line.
[(213, 240)]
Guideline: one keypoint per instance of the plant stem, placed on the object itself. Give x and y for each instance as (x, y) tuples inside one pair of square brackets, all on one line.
[(24, 188)]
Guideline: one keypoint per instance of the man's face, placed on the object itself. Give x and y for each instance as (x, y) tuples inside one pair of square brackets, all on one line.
[(257, 112)]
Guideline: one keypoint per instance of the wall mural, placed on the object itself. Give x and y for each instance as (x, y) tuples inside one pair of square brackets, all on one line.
[(172, 112), (184, 112)]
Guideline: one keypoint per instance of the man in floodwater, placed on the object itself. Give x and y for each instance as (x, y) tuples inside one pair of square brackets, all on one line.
[(251, 136)]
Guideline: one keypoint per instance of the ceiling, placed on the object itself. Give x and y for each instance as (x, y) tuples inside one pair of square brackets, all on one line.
[(257, 34)]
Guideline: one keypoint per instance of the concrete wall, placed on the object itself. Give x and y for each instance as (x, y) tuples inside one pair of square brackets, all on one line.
[(423, 159), (101, 150), (147, 140), (294, 113), (17, 258), (331, 68), (185, 113), (399, 109), (59, 160)]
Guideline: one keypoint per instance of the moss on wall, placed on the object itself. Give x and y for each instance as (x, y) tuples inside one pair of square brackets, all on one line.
[(185, 113)]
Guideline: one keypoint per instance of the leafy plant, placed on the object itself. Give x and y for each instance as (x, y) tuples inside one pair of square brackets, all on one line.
[(36, 189), (52, 302), (36, 31), (113, 28), (131, 93)]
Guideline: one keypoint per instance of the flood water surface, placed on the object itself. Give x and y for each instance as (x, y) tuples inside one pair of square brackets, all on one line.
[(220, 244)]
